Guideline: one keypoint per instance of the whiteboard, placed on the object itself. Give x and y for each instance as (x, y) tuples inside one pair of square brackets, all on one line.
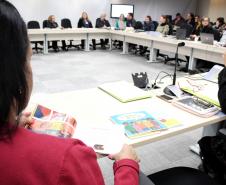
[(118, 9)]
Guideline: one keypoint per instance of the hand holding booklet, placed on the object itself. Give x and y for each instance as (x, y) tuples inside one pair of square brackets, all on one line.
[(104, 140), (47, 121)]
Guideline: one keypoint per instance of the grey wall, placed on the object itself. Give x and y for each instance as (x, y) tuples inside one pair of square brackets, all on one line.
[(212, 8)]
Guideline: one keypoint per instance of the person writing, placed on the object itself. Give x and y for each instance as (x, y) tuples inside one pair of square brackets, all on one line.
[(84, 22), (102, 22), (30, 158)]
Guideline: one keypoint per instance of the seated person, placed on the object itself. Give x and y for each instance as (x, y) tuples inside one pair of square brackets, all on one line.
[(163, 26), (130, 21), (198, 25), (179, 20), (207, 28), (148, 24), (222, 87), (121, 23), (102, 22), (51, 23), (220, 25), (223, 39), (37, 159), (191, 19), (84, 22)]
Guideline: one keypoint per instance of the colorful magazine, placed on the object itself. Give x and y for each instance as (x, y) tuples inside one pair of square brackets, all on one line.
[(47, 121), (138, 124)]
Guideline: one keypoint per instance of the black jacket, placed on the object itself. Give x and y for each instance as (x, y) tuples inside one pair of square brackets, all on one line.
[(222, 90), (131, 23), (149, 26), (50, 24), (101, 24), (82, 24)]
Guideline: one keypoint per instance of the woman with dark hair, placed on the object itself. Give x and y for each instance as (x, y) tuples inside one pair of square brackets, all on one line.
[(148, 24), (163, 26), (37, 159), (191, 19), (220, 25), (84, 22)]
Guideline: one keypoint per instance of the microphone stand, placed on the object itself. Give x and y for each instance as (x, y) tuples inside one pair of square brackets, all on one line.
[(168, 90)]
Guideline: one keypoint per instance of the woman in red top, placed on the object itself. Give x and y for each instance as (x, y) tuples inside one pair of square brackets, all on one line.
[(27, 158)]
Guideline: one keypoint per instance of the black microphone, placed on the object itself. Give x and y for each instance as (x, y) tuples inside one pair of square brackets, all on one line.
[(181, 44), (167, 89)]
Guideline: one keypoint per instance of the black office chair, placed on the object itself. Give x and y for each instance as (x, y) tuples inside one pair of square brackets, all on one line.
[(35, 25), (66, 23), (45, 24), (189, 30), (156, 24), (181, 176)]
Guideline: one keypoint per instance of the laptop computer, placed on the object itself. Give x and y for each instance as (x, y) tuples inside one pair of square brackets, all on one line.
[(181, 34), (207, 38)]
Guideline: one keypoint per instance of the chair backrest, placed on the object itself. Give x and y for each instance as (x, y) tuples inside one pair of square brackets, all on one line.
[(189, 29), (66, 23), (170, 29), (33, 25), (45, 24), (138, 25), (156, 24)]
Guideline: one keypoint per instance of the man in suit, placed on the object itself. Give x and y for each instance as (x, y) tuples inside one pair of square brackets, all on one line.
[(102, 22)]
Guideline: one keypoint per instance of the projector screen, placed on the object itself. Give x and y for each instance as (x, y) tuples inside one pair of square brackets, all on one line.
[(118, 9)]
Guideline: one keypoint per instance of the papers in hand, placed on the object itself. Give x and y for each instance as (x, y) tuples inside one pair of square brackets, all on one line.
[(104, 140), (213, 74), (124, 91)]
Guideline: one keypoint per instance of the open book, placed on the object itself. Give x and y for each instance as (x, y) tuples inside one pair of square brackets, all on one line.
[(47, 121)]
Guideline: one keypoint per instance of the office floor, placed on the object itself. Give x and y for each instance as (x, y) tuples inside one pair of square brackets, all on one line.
[(74, 70)]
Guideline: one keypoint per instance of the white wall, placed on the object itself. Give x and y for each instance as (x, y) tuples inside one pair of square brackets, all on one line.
[(212, 8), (41, 9), (156, 8)]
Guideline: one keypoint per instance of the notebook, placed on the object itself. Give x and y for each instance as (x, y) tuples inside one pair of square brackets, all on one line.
[(213, 74), (138, 124), (202, 89), (124, 91)]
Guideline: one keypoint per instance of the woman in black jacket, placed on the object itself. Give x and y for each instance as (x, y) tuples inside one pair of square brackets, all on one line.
[(84, 22), (222, 87)]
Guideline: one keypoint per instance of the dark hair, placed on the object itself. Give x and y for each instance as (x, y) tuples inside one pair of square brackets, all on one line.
[(178, 14), (149, 17), (221, 20), (131, 14), (166, 18), (14, 45)]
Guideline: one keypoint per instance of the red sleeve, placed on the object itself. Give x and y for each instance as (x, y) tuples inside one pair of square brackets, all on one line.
[(80, 166), (126, 172)]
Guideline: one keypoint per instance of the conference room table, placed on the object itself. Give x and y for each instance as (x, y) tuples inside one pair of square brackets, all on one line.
[(93, 108), (193, 49)]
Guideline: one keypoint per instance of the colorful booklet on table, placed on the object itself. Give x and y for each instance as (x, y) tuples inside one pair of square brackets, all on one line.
[(48, 121), (138, 124)]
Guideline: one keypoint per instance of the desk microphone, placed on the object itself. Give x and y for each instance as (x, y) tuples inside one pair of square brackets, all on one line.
[(167, 89)]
